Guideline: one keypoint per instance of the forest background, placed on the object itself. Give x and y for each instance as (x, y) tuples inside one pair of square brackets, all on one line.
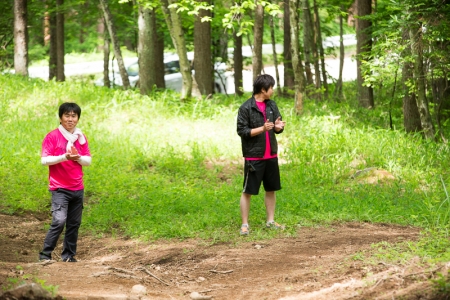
[(167, 165)]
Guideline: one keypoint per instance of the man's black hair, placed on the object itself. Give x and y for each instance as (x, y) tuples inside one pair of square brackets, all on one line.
[(263, 82), (68, 107)]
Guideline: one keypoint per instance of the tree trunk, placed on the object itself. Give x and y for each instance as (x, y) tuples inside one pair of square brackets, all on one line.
[(415, 35), (53, 43), (146, 49), (299, 73), (258, 30), (176, 32), (112, 34), (411, 116), (338, 93), (237, 64), (203, 63), (275, 58), (308, 42), (20, 37), (319, 44), (363, 47), (106, 52), (60, 51), (287, 56)]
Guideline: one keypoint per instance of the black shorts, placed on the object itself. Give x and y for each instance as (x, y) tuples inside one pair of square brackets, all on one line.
[(265, 171)]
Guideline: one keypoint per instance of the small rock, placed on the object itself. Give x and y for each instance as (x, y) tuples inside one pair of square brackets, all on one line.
[(258, 247), (197, 296), (138, 290), (201, 278)]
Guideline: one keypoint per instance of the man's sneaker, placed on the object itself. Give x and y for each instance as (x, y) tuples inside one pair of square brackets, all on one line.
[(69, 259), (244, 230), (274, 225), (44, 256)]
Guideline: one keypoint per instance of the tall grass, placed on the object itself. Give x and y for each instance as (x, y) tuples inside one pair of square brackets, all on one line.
[(163, 168)]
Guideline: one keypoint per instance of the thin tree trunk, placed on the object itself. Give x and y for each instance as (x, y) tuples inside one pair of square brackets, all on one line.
[(415, 35), (237, 64), (20, 37), (287, 56), (258, 30), (106, 52), (53, 44), (275, 58), (363, 48), (299, 73), (319, 44), (112, 34), (308, 44), (338, 93), (60, 51), (176, 32), (203, 63)]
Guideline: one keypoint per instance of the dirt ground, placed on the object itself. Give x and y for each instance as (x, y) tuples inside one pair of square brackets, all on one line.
[(320, 263)]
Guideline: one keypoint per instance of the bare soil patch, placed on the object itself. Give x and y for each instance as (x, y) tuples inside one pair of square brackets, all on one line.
[(317, 264)]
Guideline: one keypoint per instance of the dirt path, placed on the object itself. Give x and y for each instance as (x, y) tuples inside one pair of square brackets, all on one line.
[(321, 263)]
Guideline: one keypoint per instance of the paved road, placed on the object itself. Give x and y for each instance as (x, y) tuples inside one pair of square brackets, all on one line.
[(96, 67)]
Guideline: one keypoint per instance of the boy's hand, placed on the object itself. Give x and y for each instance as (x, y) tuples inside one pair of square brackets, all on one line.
[(279, 125), (73, 154)]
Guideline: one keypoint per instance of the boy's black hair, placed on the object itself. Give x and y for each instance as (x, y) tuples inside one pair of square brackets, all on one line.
[(69, 107), (263, 82)]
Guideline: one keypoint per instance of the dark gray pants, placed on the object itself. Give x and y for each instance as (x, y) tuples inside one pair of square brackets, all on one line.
[(67, 208)]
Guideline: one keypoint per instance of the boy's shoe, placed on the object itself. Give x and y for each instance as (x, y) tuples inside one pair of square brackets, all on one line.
[(274, 225), (69, 259), (244, 230)]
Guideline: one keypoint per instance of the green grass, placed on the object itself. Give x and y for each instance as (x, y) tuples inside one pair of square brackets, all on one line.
[(152, 176)]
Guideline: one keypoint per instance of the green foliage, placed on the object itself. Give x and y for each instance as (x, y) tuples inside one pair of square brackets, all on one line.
[(13, 282), (169, 169)]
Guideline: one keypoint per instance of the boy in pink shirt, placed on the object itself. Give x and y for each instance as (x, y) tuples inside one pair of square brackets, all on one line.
[(65, 150)]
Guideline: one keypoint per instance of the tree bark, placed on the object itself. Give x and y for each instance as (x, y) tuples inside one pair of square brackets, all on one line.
[(176, 32), (363, 47), (338, 93), (238, 65), (20, 37), (415, 35), (258, 30), (411, 116), (319, 44), (53, 44), (60, 51), (106, 52), (146, 49), (299, 73), (275, 58), (308, 44), (112, 34), (287, 56), (203, 63)]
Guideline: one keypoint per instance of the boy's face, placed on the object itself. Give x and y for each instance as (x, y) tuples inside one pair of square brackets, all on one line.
[(69, 121), (267, 94)]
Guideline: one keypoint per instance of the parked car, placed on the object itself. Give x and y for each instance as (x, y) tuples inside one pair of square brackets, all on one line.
[(172, 75)]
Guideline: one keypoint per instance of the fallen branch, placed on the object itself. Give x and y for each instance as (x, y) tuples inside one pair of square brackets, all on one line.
[(221, 272), (120, 270), (151, 274)]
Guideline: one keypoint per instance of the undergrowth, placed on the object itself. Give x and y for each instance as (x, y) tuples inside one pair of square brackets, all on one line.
[(165, 168)]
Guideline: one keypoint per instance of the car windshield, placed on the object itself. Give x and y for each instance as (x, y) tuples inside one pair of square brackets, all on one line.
[(133, 69)]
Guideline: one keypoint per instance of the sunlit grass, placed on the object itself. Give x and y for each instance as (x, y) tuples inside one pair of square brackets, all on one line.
[(163, 168)]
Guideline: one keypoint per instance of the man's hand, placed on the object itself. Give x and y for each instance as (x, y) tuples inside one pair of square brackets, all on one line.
[(73, 154), (268, 125), (279, 125)]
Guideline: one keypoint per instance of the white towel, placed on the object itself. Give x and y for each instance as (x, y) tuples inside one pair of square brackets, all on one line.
[(72, 137)]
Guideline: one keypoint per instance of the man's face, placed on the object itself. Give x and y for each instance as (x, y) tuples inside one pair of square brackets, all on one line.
[(69, 120)]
